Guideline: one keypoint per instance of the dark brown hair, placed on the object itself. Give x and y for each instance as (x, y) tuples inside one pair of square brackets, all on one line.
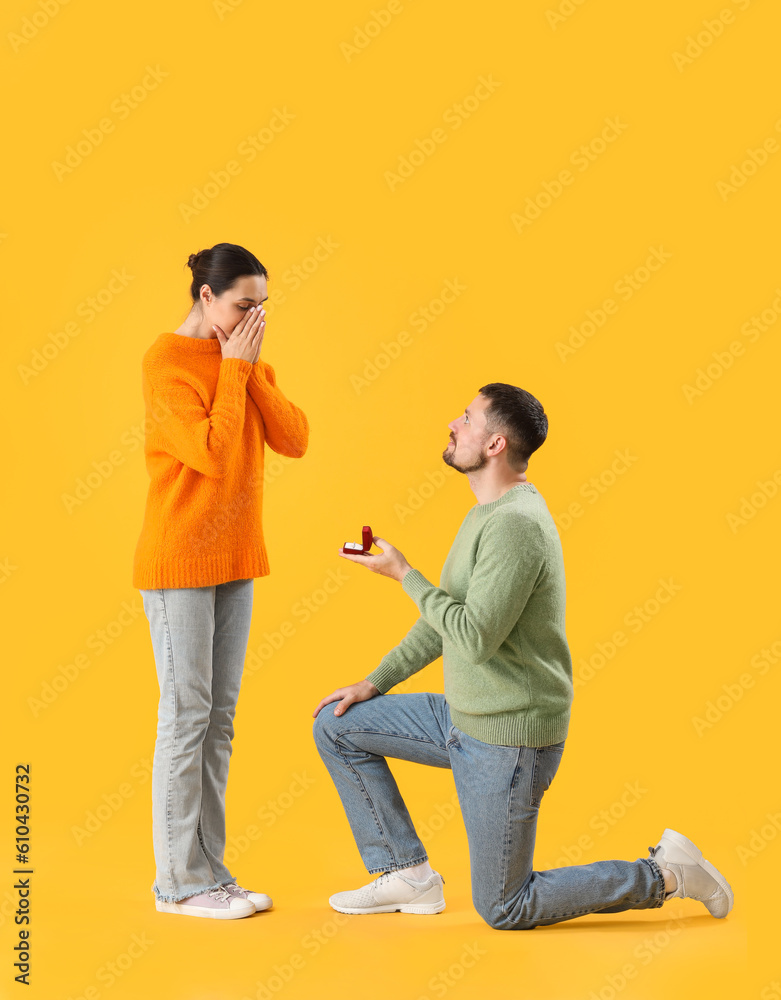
[(517, 415), (220, 267)]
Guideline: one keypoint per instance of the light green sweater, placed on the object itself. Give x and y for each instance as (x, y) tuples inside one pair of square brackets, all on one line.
[(497, 620)]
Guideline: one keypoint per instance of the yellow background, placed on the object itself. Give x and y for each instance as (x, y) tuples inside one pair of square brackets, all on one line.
[(221, 76)]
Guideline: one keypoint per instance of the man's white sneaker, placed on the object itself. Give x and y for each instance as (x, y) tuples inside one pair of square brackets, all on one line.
[(218, 904), (260, 900), (393, 892), (697, 878)]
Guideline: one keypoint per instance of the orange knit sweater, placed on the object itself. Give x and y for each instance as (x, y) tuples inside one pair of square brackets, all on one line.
[(207, 420)]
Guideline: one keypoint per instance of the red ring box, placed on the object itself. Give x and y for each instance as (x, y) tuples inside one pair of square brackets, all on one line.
[(355, 548)]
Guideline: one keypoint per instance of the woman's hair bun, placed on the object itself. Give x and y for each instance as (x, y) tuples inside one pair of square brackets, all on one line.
[(193, 259)]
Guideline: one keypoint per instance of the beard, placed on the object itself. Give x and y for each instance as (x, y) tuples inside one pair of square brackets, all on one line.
[(478, 463)]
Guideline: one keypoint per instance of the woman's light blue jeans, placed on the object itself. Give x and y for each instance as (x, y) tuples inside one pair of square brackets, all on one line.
[(499, 790), (199, 637)]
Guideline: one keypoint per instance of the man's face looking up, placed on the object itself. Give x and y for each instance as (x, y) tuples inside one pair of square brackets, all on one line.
[(465, 451)]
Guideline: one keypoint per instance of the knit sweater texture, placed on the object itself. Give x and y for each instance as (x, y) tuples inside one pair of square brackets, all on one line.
[(497, 620), (207, 420)]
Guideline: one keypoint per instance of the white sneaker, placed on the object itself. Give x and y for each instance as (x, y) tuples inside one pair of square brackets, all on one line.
[(260, 900), (393, 892), (218, 904), (697, 878)]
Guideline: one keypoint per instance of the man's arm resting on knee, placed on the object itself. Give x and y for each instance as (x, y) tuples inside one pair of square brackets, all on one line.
[(417, 649), (346, 696)]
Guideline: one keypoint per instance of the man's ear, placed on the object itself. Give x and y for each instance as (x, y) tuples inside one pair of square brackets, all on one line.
[(498, 444)]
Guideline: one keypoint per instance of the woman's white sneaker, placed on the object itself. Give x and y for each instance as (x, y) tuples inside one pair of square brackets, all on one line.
[(697, 878), (259, 899), (393, 893), (217, 904)]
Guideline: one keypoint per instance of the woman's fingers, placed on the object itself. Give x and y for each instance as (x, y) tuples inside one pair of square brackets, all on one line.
[(246, 325), (257, 340), (250, 330), (242, 325)]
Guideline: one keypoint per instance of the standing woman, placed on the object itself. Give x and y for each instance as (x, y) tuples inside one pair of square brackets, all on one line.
[(211, 404)]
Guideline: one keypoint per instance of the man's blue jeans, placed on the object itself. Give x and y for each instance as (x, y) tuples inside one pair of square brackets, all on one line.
[(199, 636), (499, 790)]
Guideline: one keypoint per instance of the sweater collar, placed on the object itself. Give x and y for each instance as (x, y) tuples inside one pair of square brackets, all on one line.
[(193, 345), (480, 509)]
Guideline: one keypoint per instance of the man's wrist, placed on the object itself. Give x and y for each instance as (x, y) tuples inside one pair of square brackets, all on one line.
[(385, 683)]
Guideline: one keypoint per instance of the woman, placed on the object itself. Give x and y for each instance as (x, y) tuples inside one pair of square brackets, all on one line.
[(211, 405)]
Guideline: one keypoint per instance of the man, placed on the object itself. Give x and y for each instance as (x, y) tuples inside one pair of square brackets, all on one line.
[(497, 620)]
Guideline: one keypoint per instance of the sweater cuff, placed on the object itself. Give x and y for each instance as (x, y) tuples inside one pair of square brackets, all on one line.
[(383, 677), (264, 373), (237, 368), (416, 585)]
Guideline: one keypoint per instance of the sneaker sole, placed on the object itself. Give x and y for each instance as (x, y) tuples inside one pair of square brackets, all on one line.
[(421, 908), (692, 851), (204, 911)]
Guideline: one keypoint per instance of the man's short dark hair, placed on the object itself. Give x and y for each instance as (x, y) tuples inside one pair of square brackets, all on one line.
[(517, 415)]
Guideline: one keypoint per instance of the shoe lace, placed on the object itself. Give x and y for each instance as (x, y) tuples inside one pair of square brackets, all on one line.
[(220, 893), (237, 888)]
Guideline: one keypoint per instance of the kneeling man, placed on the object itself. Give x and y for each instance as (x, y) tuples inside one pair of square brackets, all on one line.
[(497, 620)]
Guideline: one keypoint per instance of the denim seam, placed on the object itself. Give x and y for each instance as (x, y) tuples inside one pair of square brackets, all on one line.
[(399, 868), (199, 830), (659, 887), (234, 591), (367, 796), (552, 917), (532, 802), (170, 662), (658, 900), (387, 732), (549, 917), (507, 830)]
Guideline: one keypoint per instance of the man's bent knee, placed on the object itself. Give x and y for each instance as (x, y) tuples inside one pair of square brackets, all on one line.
[(324, 727), (498, 920)]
